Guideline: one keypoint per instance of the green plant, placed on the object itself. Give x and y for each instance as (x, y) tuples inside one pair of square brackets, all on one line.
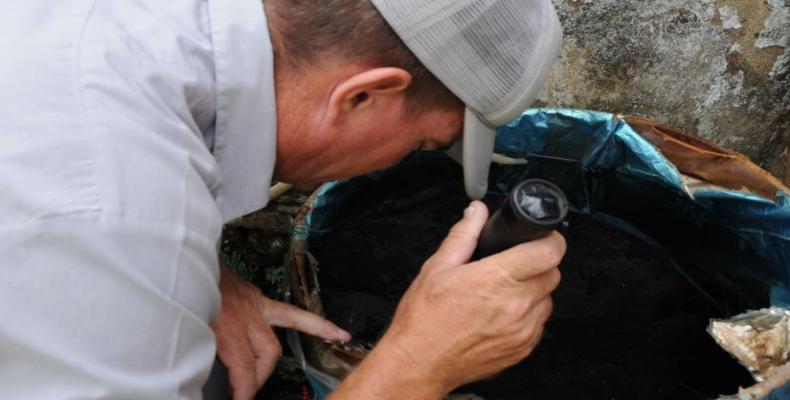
[(275, 277), (235, 262)]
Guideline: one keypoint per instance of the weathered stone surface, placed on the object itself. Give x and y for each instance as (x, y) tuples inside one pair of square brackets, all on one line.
[(720, 68)]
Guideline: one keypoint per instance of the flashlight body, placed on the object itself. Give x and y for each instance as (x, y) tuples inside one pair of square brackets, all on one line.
[(532, 210)]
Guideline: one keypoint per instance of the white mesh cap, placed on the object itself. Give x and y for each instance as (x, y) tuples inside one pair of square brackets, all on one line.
[(494, 55)]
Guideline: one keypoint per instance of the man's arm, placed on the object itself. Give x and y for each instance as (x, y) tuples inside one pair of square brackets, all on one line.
[(460, 322)]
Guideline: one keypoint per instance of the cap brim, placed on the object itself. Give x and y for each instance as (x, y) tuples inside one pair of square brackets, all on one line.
[(478, 148)]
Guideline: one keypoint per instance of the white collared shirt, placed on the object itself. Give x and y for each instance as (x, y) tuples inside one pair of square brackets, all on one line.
[(111, 200)]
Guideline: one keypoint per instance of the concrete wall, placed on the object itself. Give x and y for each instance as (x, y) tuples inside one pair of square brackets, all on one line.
[(720, 68)]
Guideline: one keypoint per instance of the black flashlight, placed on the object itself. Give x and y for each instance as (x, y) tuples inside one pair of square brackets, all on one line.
[(532, 210)]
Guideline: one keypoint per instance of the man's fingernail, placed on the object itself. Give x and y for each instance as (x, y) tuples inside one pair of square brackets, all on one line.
[(343, 335), (470, 211)]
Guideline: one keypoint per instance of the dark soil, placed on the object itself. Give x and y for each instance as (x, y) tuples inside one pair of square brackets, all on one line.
[(626, 323)]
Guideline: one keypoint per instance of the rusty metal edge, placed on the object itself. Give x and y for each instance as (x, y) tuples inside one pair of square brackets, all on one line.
[(302, 273)]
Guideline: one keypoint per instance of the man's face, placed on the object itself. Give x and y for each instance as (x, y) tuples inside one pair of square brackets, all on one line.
[(376, 141)]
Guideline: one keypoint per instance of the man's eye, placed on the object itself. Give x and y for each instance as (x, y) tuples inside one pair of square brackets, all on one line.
[(444, 147)]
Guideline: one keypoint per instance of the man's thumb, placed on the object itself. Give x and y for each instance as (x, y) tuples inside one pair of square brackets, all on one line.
[(461, 242)]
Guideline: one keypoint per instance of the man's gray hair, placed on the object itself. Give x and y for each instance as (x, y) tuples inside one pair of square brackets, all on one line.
[(309, 33)]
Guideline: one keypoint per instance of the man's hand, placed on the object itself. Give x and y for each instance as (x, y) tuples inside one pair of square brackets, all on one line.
[(460, 322), (246, 343)]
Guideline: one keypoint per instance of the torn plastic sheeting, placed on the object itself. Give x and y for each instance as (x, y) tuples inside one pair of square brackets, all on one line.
[(760, 340)]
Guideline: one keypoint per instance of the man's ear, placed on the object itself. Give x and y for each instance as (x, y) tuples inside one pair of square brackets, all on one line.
[(364, 89)]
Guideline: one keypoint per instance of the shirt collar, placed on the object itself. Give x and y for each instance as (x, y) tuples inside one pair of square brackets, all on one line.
[(245, 140)]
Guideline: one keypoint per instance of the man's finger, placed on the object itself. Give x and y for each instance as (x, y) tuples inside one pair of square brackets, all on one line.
[(530, 259), (266, 348), (541, 286), (461, 242), (536, 320), (240, 361), (242, 382), (288, 316)]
